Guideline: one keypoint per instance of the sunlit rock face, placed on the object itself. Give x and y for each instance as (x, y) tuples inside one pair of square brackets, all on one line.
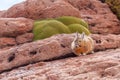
[(99, 16), (39, 9)]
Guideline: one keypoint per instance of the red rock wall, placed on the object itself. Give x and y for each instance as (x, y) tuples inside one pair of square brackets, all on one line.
[(14, 31), (101, 20), (39, 9)]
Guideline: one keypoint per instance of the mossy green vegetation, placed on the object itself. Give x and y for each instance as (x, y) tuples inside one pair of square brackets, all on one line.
[(38, 26), (79, 28), (45, 28), (67, 20), (115, 6), (48, 28)]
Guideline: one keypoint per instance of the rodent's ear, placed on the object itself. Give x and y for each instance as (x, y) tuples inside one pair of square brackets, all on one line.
[(76, 36), (76, 33), (82, 35)]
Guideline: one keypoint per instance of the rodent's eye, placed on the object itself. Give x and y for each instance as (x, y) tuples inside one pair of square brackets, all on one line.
[(79, 41)]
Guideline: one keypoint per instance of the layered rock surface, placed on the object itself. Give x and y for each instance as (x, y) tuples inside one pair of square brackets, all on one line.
[(14, 31), (38, 9), (12, 27), (101, 20), (49, 48), (97, 14), (99, 66)]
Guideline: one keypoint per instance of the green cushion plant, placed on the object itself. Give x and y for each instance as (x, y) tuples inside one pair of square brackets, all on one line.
[(48, 29), (78, 28), (45, 28), (67, 20)]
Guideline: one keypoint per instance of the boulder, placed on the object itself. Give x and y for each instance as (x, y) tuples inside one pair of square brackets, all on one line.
[(50, 48), (38, 9), (99, 66), (15, 11), (2, 13), (12, 27), (99, 16)]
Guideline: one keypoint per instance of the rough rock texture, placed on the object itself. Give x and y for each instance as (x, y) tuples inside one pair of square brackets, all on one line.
[(7, 42), (2, 13), (99, 66), (104, 42), (37, 9), (16, 10), (4, 42), (27, 37), (50, 9), (49, 48), (98, 15), (12, 27), (15, 31)]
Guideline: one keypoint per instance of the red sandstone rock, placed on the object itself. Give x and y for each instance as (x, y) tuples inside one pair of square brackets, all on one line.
[(104, 42), (7, 42), (99, 66), (13, 27), (37, 9), (60, 8), (16, 10), (27, 37), (98, 15), (49, 48), (4, 42), (2, 13)]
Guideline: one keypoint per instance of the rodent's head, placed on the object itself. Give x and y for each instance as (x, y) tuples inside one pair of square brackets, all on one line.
[(78, 40)]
